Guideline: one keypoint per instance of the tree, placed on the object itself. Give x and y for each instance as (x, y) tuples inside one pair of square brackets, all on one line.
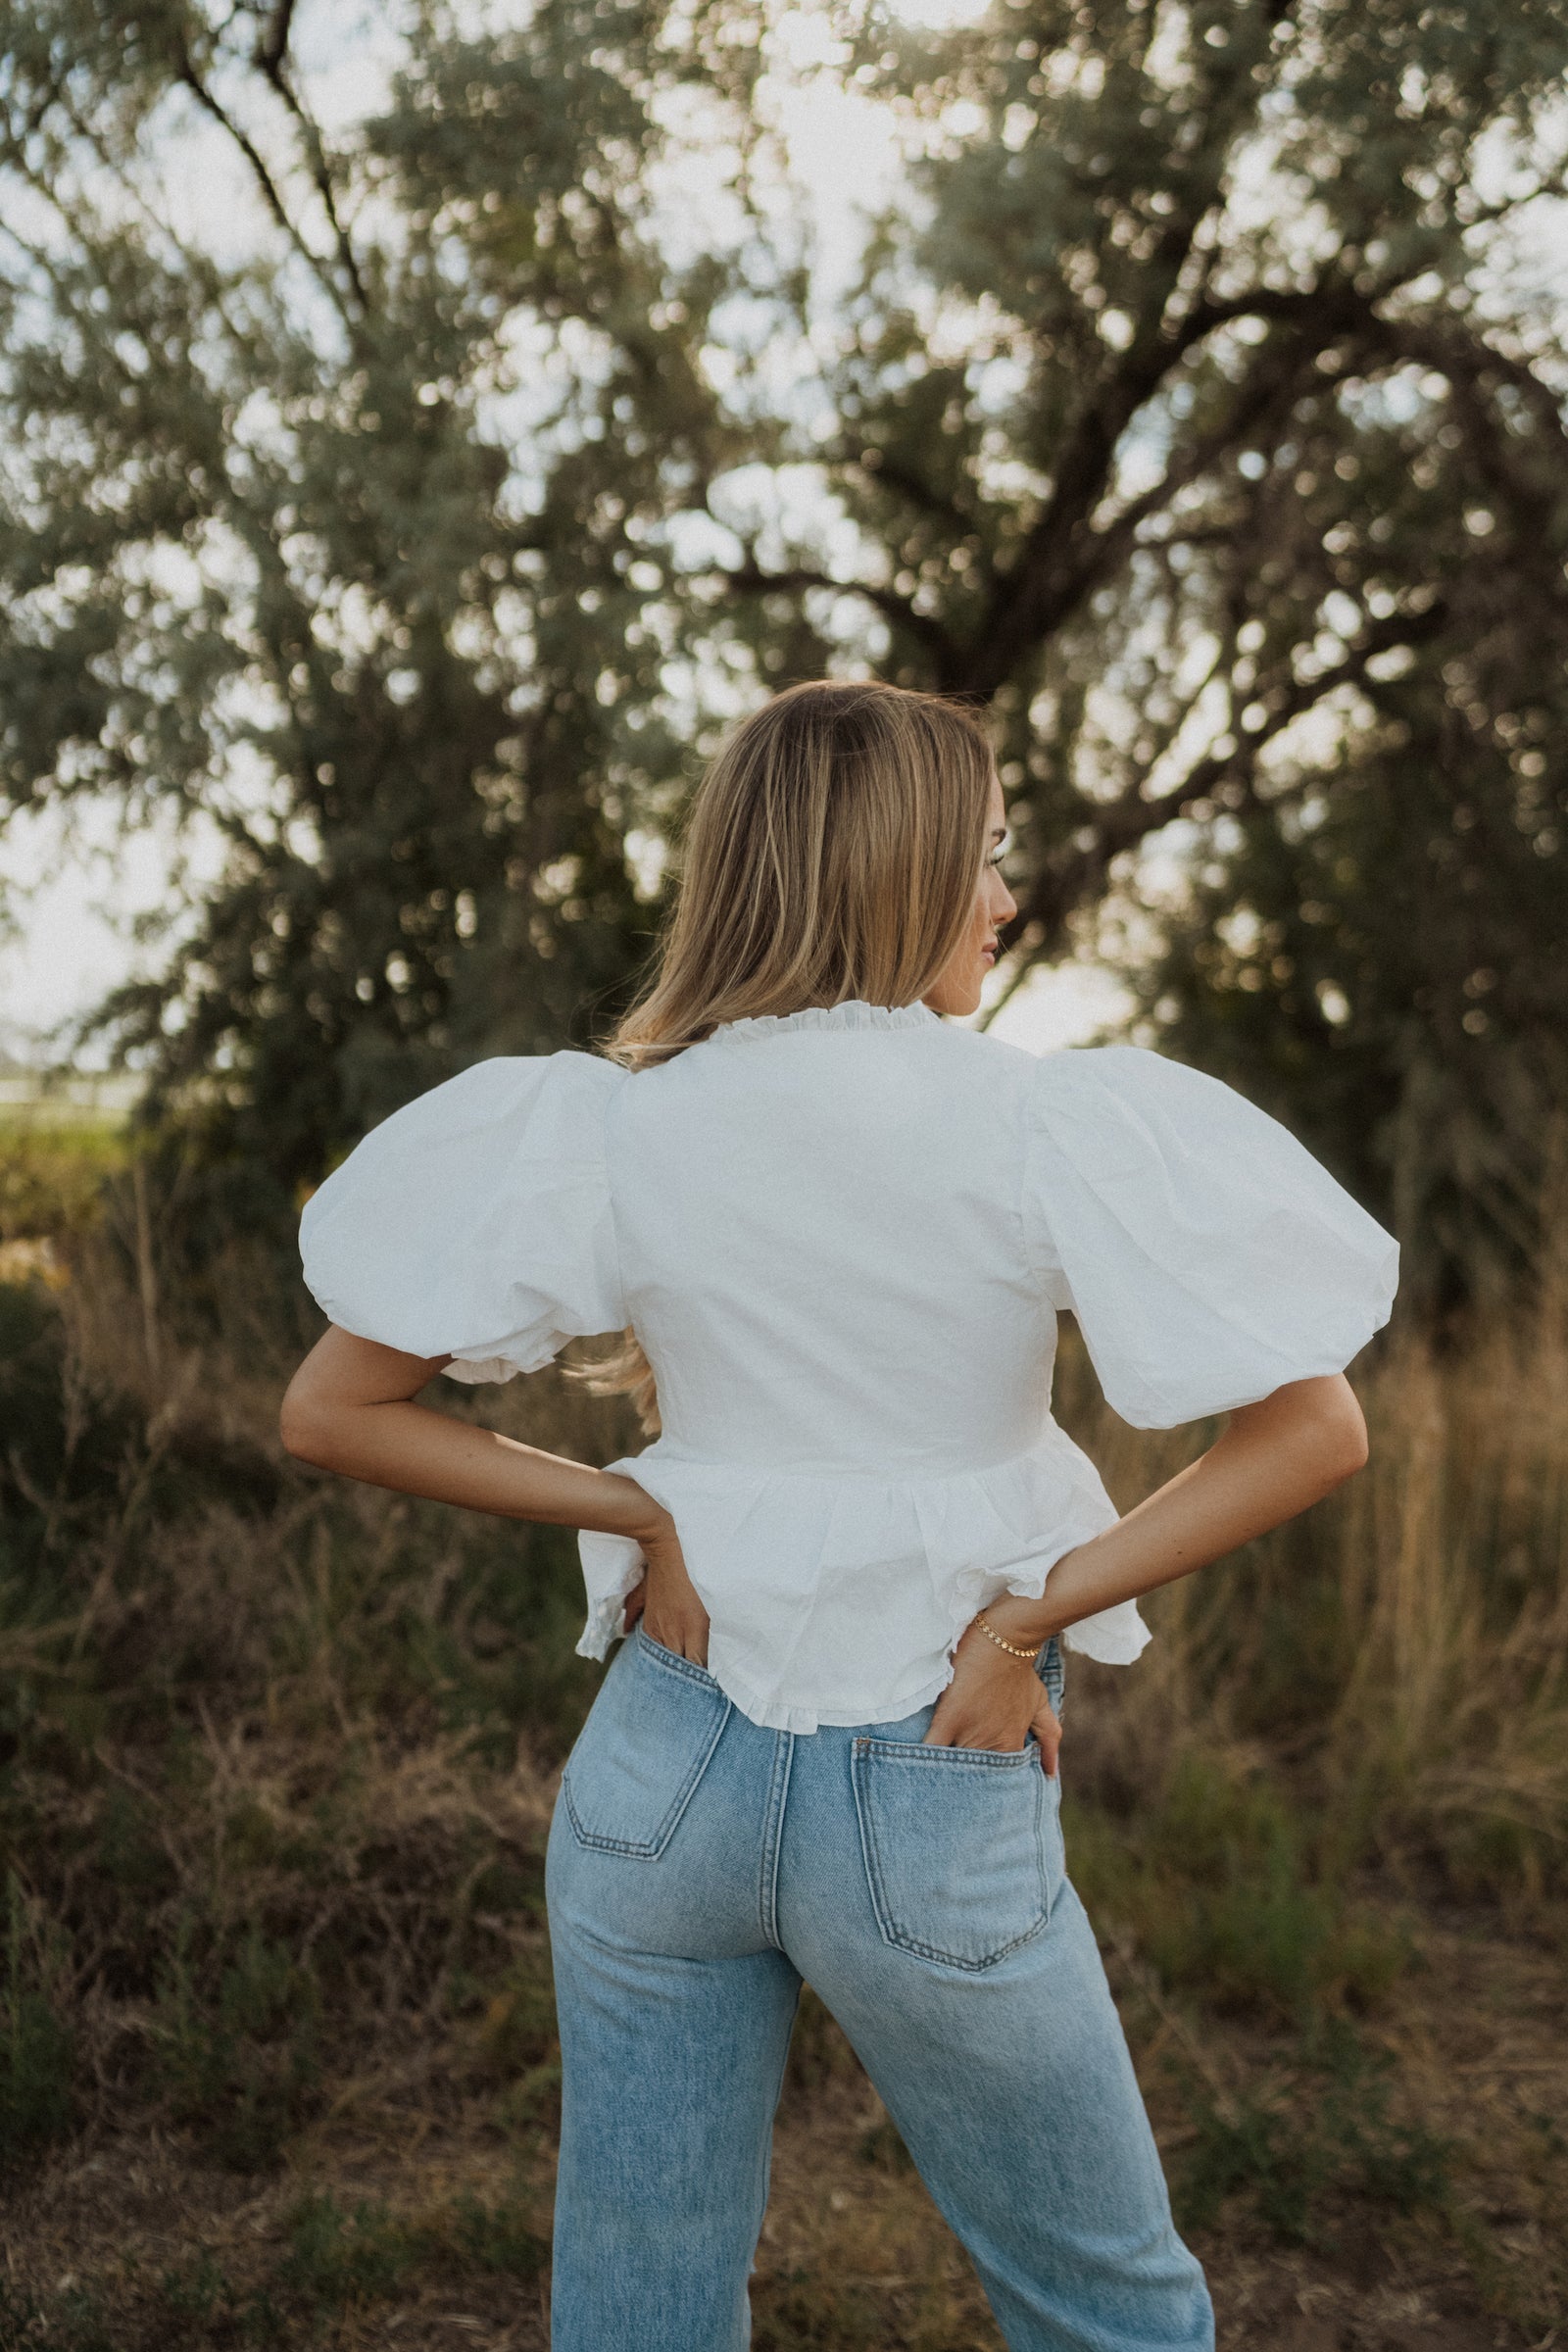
[(1382, 962), (1193, 399), (267, 557)]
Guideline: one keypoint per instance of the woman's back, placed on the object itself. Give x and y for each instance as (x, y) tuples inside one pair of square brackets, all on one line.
[(820, 1228), (842, 1236)]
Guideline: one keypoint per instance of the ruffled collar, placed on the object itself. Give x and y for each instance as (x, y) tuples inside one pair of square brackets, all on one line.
[(852, 1014)]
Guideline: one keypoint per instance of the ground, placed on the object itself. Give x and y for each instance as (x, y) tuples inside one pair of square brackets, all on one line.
[(415, 2213)]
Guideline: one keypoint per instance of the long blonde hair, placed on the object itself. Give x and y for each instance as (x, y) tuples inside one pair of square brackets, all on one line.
[(832, 851)]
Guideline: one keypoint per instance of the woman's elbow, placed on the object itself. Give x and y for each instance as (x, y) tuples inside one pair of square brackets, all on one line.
[(303, 1426), (1316, 1425), (1340, 1431)]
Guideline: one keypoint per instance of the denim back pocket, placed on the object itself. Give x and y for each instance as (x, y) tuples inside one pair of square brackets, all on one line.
[(962, 1847), (642, 1752)]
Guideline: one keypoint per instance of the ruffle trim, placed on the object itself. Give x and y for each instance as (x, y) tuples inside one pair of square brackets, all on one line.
[(473, 1370), (852, 1014), (798, 1571)]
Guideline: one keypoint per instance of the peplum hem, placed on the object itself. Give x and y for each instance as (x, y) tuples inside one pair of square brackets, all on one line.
[(838, 1598)]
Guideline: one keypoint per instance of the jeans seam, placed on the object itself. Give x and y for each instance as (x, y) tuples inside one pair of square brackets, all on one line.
[(928, 1758), (774, 1836)]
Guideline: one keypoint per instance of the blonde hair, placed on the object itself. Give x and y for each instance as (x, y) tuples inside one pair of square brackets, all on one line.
[(832, 852)]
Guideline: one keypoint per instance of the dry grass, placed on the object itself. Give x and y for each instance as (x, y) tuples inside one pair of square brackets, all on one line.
[(276, 2057)]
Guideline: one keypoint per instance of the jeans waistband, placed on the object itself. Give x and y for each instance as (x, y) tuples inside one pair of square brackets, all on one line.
[(1049, 1665)]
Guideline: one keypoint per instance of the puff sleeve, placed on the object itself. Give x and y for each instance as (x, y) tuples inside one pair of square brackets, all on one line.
[(477, 1222), (1207, 1256)]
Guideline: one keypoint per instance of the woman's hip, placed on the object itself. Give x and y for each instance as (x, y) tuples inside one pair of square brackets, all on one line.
[(682, 1827)]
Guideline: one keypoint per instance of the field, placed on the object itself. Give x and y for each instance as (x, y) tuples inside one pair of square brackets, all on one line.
[(276, 2058)]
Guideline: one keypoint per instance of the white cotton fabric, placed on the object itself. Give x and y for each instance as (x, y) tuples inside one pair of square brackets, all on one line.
[(843, 1237)]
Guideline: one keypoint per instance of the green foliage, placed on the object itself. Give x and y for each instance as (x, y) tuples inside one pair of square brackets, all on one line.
[(804, 2313), (94, 1485), (282, 1774), (20, 2317), (269, 555), (258, 1922), (520, 2045), (1227, 1894), (238, 2034), (75, 2319), (363, 2254), (52, 1173), (1382, 964), (338, 2257), (341, 2258), (62, 1450), (497, 2238), (197, 2291), (37, 2047), (1298, 2154), (500, 1657)]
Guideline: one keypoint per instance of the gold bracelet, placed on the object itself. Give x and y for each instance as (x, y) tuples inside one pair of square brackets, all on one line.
[(1011, 1648)]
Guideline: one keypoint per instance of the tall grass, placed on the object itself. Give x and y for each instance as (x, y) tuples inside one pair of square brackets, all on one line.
[(276, 1758), (1401, 1653)]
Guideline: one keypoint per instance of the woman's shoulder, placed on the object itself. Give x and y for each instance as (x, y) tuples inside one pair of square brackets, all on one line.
[(510, 1106), (514, 1086), (1104, 1089), (570, 1069), (1081, 1076), (1118, 1069)]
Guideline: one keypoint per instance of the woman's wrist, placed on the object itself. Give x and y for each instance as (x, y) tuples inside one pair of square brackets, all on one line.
[(1024, 1623), (1018, 1641), (623, 1507), (1082, 1582)]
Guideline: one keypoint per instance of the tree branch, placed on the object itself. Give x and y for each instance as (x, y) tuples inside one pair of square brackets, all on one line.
[(271, 57), (271, 41), (1264, 388), (1436, 344), (890, 474), (752, 580), (187, 75), (1064, 883), (1054, 570)]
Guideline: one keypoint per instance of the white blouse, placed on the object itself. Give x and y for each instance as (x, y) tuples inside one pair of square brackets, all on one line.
[(843, 1237)]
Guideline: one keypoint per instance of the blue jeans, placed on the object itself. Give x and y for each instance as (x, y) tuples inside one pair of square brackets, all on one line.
[(699, 1868)]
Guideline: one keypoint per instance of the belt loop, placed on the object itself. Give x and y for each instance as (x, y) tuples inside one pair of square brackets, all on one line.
[(1052, 1670)]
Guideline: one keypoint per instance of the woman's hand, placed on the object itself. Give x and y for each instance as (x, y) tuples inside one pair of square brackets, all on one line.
[(666, 1599), (993, 1701)]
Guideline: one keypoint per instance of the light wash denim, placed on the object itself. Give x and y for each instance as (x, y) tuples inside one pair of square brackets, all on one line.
[(699, 1868)]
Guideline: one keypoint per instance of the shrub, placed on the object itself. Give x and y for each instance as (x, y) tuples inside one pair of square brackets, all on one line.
[(239, 2041), (36, 2045)]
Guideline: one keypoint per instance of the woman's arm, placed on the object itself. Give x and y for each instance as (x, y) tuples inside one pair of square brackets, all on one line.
[(1272, 1459), (351, 1408)]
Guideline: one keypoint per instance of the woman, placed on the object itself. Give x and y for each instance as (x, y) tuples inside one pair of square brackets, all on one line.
[(837, 1232)]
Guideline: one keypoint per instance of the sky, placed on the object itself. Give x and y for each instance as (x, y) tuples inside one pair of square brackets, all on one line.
[(76, 895)]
